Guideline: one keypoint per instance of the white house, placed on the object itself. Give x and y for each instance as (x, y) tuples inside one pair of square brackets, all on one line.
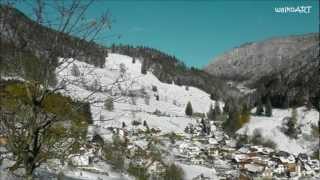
[(213, 141)]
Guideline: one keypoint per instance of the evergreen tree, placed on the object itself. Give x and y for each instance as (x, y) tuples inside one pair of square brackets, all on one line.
[(212, 96), (226, 107), (144, 68), (268, 107), (292, 123), (133, 60), (108, 104), (113, 48), (145, 123), (187, 129), (75, 70), (189, 110), (259, 110), (217, 110), (210, 113), (231, 123), (173, 172)]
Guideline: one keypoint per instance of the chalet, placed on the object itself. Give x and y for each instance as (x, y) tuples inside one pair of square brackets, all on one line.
[(213, 141), (254, 168), (267, 151), (307, 170), (280, 169), (315, 164), (244, 150), (267, 173), (193, 150), (295, 169), (288, 159), (231, 143), (213, 151), (239, 158), (197, 161), (82, 159), (303, 157), (201, 177)]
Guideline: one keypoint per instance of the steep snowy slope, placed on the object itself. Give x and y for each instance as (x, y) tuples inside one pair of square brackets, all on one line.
[(121, 79), (270, 128)]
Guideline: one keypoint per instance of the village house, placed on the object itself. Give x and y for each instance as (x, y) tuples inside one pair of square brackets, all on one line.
[(189, 149), (267, 173), (213, 151), (196, 161)]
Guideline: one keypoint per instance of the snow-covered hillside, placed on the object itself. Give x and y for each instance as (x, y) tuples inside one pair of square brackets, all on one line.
[(270, 128), (119, 79)]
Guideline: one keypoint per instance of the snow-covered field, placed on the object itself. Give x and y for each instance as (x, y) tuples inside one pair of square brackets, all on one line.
[(142, 97), (121, 76), (192, 171), (270, 128), (119, 79)]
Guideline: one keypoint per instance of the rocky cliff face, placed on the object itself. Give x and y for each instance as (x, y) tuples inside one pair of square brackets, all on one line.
[(286, 69)]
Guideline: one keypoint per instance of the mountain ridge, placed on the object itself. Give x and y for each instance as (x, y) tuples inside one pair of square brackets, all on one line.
[(276, 60)]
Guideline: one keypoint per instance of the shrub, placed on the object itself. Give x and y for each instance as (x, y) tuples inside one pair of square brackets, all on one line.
[(108, 104), (114, 154), (139, 172), (290, 124), (198, 115), (135, 123), (154, 88), (256, 136), (173, 172), (269, 143), (157, 112), (172, 137), (122, 69), (244, 116), (230, 125)]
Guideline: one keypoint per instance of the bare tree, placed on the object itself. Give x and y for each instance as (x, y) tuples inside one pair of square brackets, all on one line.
[(35, 132)]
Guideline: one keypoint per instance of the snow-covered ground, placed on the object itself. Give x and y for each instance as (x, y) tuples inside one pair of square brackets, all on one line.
[(120, 76), (192, 171), (162, 106), (270, 128)]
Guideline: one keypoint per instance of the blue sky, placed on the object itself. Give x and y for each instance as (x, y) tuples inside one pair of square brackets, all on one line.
[(197, 31)]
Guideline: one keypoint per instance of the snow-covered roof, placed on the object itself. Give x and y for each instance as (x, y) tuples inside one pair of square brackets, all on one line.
[(254, 167)]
